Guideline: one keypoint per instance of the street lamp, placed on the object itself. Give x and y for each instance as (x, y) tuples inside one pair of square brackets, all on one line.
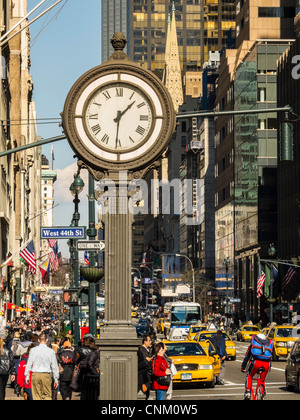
[(193, 273), (75, 189), (226, 263), (271, 253)]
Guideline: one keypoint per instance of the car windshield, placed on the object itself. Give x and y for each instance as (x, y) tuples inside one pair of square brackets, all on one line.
[(144, 321), (184, 349), (185, 315), (251, 329), (208, 335), (284, 332), (197, 329)]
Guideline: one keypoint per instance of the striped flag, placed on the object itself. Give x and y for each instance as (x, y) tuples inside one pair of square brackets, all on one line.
[(288, 278), (260, 285), (52, 242), (54, 258), (27, 256), (86, 258)]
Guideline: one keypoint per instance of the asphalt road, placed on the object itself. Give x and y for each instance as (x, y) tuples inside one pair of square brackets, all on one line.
[(235, 383)]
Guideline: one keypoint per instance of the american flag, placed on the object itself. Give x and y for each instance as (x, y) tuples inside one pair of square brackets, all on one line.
[(28, 256), (86, 258), (260, 285), (52, 242), (288, 278), (54, 258)]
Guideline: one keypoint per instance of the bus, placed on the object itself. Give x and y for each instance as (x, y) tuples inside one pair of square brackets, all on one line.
[(182, 315)]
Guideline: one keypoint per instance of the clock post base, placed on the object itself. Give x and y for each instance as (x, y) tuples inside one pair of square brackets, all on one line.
[(118, 347)]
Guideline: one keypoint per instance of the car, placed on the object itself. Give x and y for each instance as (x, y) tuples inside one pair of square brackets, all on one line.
[(204, 339), (178, 334), (144, 327), (195, 329), (292, 371), (246, 333), (282, 336), (193, 364)]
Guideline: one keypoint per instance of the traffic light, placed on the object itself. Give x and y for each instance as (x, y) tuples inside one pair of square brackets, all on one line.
[(154, 273)]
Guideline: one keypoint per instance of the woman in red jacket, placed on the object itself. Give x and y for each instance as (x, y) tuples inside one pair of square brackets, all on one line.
[(160, 368)]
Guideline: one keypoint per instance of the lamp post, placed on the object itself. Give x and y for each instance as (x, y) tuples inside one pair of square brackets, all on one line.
[(226, 264), (75, 189), (193, 273), (271, 253)]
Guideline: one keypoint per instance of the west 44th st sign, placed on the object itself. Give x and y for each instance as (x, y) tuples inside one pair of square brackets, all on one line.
[(63, 233)]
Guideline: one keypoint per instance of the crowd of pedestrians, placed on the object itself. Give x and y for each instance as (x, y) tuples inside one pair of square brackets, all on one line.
[(39, 365)]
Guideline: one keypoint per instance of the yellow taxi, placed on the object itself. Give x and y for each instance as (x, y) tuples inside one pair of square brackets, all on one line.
[(282, 336), (195, 329), (204, 337), (193, 364), (160, 325), (246, 332)]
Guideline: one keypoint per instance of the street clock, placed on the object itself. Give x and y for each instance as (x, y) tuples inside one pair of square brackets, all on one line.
[(118, 116)]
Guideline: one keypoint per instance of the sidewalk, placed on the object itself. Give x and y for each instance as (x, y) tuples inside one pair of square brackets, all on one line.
[(10, 396)]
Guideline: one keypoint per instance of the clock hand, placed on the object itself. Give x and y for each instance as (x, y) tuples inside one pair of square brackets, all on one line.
[(118, 117), (124, 112)]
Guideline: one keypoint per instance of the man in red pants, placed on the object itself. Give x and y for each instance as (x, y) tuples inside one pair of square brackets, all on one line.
[(259, 354)]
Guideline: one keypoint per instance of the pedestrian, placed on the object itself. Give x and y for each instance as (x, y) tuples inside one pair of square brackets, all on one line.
[(66, 363), (81, 354), (173, 369), (161, 372), (144, 366), (43, 364), (21, 379), (219, 344), (7, 367)]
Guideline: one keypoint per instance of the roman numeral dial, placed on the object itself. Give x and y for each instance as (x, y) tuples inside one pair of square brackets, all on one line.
[(119, 117)]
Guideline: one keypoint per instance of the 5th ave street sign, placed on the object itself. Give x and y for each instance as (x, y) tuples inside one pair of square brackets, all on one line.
[(63, 232), (90, 245)]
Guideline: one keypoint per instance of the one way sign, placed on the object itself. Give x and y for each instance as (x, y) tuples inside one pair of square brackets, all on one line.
[(90, 245)]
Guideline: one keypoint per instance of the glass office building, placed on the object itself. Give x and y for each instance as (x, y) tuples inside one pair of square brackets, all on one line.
[(202, 26), (255, 172)]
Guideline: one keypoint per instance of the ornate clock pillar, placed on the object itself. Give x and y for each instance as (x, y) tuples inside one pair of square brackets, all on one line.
[(118, 117), (118, 340)]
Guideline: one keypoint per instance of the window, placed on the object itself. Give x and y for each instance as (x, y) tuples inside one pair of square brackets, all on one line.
[(276, 12)]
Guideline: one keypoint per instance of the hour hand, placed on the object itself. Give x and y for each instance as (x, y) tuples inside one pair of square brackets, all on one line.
[(129, 106), (118, 117)]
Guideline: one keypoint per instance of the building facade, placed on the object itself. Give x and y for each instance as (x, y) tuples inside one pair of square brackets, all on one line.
[(20, 172), (115, 18), (202, 26)]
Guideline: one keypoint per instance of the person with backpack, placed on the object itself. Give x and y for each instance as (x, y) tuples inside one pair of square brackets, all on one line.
[(259, 354), (7, 367)]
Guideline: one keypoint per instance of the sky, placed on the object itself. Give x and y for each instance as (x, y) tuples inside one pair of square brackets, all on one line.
[(63, 47)]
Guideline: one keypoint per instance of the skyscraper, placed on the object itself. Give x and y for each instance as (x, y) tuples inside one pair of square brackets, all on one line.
[(201, 27), (115, 18)]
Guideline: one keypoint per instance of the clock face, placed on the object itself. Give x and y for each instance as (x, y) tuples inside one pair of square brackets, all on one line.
[(118, 117)]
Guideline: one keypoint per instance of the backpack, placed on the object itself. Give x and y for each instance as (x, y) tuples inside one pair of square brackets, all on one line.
[(261, 350)]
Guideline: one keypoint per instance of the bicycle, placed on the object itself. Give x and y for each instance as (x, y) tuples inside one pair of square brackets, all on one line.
[(260, 392)]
